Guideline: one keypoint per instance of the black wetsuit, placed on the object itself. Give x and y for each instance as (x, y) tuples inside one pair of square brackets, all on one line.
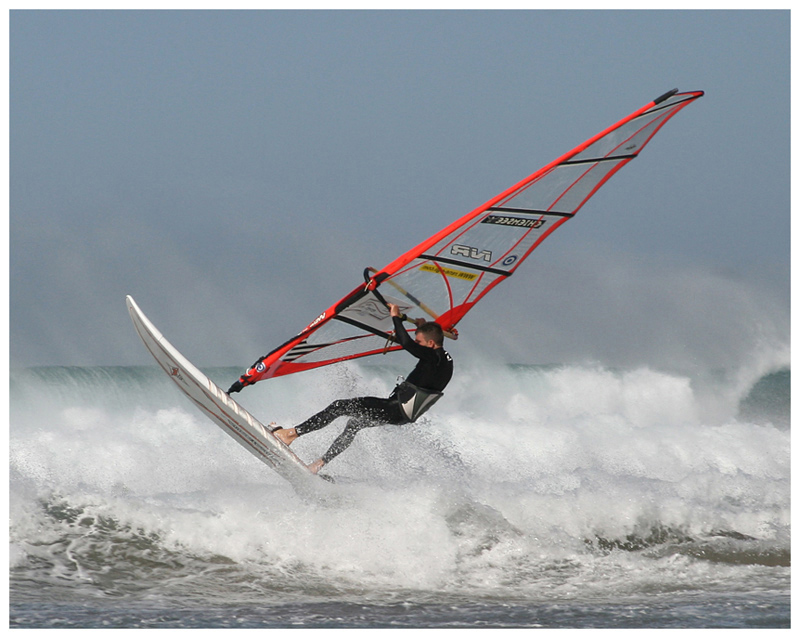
[(432, 373)]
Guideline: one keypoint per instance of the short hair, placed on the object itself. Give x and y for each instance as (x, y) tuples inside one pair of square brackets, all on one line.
[(433, 331)]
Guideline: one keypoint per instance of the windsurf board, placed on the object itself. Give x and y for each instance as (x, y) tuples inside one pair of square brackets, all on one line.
[(218, 406)]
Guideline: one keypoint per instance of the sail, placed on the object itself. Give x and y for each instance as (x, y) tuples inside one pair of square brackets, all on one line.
[(442, 278)]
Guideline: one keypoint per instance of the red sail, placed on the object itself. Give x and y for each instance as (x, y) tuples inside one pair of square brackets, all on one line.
[(442, 278)]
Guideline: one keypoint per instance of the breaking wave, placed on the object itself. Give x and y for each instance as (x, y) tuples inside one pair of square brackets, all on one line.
[(529, 483)]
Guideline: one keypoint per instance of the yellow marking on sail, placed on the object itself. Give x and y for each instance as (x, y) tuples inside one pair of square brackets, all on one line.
[(450, 272)]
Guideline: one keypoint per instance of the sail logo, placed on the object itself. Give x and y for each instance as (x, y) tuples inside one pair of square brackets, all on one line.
[(449, 272), (510, 260), (472, 253), (370, 308), (517, 222), (317, 320)]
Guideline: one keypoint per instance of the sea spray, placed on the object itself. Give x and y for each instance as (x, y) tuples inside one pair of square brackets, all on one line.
[(535, 485)]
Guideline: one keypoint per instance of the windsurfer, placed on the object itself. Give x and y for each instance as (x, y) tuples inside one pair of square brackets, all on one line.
[(405, 404)]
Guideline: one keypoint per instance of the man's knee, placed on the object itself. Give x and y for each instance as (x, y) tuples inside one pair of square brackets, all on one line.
[(357, 423), (336, 406)]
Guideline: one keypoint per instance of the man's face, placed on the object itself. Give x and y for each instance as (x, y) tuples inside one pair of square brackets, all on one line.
[(422, 340)]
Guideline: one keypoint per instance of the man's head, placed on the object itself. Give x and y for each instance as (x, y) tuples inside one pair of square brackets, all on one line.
[(430, 335)]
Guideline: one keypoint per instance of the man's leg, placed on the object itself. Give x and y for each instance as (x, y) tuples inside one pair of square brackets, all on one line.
[(321, 419), (368, 412), (343, 441)]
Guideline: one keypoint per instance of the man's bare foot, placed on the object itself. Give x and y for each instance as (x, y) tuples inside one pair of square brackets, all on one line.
[(285, 436), (316, 466)]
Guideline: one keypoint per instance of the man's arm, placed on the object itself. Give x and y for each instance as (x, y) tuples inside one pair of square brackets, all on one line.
[(404, 339)]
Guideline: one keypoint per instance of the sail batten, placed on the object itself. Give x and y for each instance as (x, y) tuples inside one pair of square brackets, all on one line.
[(443, 277)]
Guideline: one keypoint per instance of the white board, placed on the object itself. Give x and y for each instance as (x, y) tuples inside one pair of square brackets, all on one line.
[(218, 406)]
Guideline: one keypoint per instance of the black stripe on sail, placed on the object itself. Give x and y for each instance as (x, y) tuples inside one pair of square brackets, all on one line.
[(598, 160), (660, 106), (665, 97), (456, 262), (303, 348), (363, 326), (528, 211)]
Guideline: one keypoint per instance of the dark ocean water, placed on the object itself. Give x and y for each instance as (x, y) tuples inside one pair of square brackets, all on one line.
[(549, 497)]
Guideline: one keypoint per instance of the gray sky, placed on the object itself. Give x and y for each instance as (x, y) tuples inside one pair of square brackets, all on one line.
[(236, 171)]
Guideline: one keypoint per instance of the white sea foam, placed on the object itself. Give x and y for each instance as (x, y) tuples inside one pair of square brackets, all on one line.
[(519, 481)]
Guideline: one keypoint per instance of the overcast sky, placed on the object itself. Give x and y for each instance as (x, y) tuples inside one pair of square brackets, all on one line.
[(236, 171)]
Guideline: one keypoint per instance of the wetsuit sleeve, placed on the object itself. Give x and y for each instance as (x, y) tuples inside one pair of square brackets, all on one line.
[(411, 346)]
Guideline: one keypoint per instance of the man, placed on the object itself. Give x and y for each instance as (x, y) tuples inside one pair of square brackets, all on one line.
[(406, 403)]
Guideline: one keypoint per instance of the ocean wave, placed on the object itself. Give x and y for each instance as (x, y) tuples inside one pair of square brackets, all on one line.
[(526, 483)]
